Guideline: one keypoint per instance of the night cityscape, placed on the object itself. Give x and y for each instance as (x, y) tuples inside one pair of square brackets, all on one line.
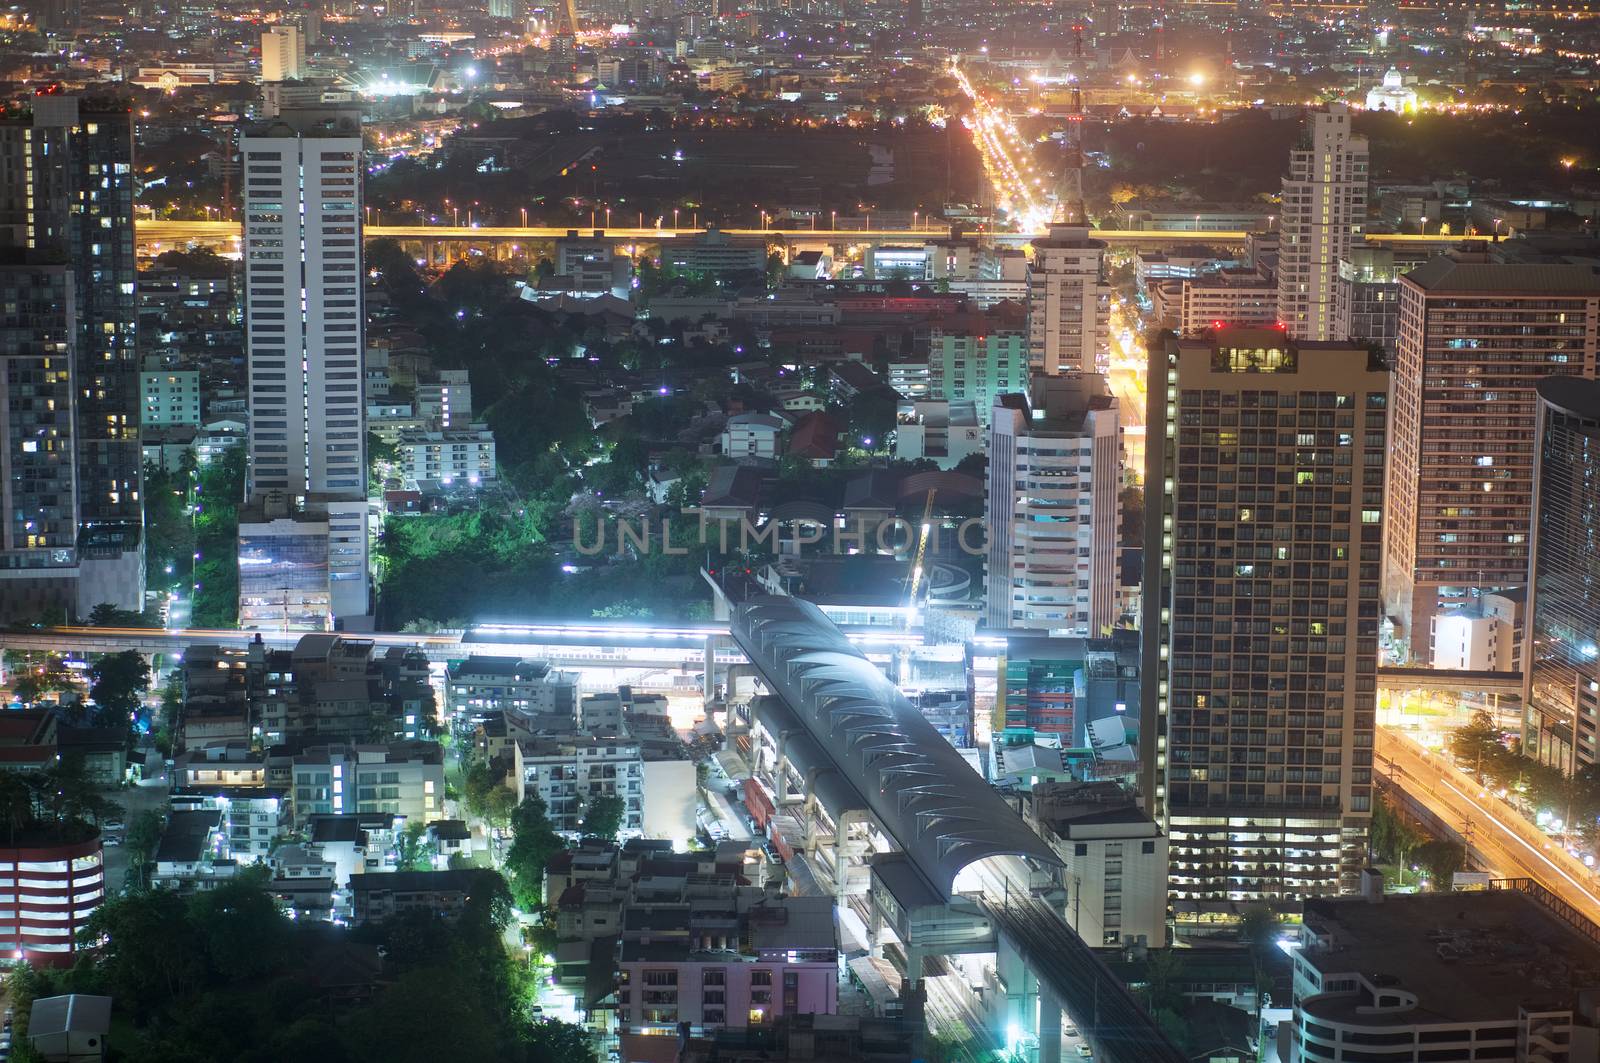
[(800, 531)]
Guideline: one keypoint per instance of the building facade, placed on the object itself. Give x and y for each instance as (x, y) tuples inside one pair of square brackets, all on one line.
[(1474, 339), (1261, 612), (58, 887), (1366, 297), (975, 367), (1114, 859), (1561, 688), (1052, 508), (303, 306), (453, 456), (1069, 302), (1324, 208), (168, 396)]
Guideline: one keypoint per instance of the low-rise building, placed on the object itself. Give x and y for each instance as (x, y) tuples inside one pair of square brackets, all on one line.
[(374, 898), (569, 771), (752, 435), (251, 817), (726, 958), (1474, 975), (464, 455), (193, 853), (405, 779), (1115, 859), (523, 690)]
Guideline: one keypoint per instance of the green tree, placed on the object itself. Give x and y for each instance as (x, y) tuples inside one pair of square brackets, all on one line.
[(118, 684), (557, 1042), (603, 817), (413, 851), (144, 835), (1440, 860), (534, 842)]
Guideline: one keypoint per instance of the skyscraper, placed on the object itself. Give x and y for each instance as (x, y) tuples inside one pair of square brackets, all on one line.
[(38, 468), (1561, 682), (1069, 302), (66, 190), (1474, 339), (1324, 207), (1264, 517), (283, 53), (304, 328), (1052, 508)]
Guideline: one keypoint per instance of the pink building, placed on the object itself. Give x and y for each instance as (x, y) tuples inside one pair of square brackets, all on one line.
[(778, 957)]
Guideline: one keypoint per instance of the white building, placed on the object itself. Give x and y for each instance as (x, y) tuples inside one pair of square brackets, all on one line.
[(1324, 208), (752, 435), (283, 53), (404, 779), (1052, 508), (480, 686), (1069, 302), (303, 308), (568, 771), (453, 456), (1229, 298), (446, 401), (168, 396), (1114, 857)]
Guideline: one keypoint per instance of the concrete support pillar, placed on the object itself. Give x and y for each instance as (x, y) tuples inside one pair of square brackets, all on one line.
[(1049, 1025), (708, 686), (914, 957), (875, 933)]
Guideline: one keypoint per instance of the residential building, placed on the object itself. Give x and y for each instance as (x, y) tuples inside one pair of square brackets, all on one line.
[(1475, 337), (1261, 612), (1366, 297), (1490, 974), (1114, 859), (38, 466), (453, 456), (303, 307), (188, 308), (283, 53), (752, 435), (814, 1039), (193, 853), (67, 193), (523, 690), (974, 363), (1069, 302), (1561, 688), (1051, 503), (59, 884), (727, 961), (1229, 298), (405, 779), (168, 395), (252, 817), (942, 431), (331, 688), (568, 771), (446, 400), (1324, 209), (374, 898)]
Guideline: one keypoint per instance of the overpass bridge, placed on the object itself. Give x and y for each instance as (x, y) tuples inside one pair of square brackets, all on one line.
[(952, 867), (1444, 679)]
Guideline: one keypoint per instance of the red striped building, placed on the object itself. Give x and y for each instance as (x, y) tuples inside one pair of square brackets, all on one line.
[(47, 893)]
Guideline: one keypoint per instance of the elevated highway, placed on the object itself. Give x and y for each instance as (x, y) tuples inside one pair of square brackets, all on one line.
[(447, 241)]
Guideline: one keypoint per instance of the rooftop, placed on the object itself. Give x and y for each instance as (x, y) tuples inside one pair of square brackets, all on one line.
[(1450, 274), (1465, 956)]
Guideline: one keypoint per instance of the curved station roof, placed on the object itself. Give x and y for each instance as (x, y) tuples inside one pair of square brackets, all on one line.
[(940, 811)]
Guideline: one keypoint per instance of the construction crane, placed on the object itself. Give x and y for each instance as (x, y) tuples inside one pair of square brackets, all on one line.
[(924, 530)]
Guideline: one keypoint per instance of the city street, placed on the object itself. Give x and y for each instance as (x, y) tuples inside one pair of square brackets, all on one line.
[(1126, 375), (1514, 847)]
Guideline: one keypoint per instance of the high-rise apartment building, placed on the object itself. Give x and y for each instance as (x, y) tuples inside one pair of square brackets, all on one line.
[(283, 53), (1474, 339), (1366, 296), (66, 190), (38, 473), (1561, 682), (1069, 302), (1324, 207), (1264, 517), (1052, 508), (304, 328)]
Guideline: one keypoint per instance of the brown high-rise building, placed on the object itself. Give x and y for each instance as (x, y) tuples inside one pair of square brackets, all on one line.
[(1263, 540), (1474, 339)]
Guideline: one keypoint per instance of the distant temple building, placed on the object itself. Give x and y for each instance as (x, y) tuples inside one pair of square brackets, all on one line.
[(1392, 95)]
